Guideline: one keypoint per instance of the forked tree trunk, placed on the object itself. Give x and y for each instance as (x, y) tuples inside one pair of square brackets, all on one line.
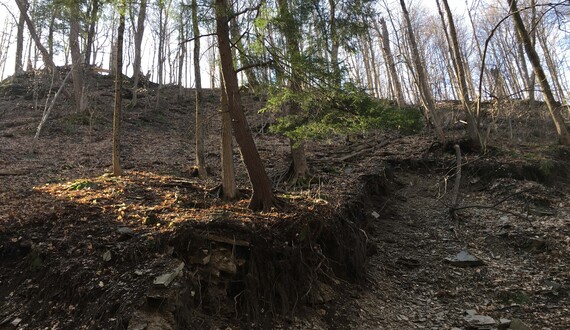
[(200, 132), (46, 56), (139, 33), (561, 129), (93, 19), (422, 82), (389, 58), (460, 71), (262, 198), (77, 71), (117, 170)]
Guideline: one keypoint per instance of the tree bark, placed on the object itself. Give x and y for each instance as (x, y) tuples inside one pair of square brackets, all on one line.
[(46, 56), (117, 170), (228, 172), (422, 82), (200, 132), (20, 45), (77, 71), (93, 19), (262, 198), (389, 58), (139, 33), (561, 129), (472, 124)]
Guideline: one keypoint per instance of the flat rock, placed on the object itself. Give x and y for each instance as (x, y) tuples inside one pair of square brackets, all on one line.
[(480, 322), (517, 324), (166, 278), (464, 259)]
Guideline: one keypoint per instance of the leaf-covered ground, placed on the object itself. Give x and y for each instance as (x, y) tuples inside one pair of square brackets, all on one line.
[(82, 249)]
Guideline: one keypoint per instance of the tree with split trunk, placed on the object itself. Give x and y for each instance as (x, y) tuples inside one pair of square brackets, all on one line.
[(421, 78), (46, 56), (138, 38), (461, 74), (262, 197), (77, 70), (561, 129)]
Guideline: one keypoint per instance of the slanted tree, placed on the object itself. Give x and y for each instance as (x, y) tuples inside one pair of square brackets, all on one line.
[(117, 169), (46, 56), (561, 129), (262, 197)]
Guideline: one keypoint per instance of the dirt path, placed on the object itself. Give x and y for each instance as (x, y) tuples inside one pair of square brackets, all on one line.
[(525, 275)]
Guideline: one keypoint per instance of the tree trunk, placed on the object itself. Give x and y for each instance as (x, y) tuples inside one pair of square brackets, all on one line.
[(92, 19), (20, 44), (472, 120), (228, 173), (48, 60), (422, 82), (262, 198), (200, 132), (299, 170), (139, 33), (181, 53), (561, 129), (117, 170), (77, 71), (252, 80), (389, 58)]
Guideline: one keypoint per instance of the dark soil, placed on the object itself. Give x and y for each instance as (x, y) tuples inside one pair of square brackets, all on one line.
[(363, 246)]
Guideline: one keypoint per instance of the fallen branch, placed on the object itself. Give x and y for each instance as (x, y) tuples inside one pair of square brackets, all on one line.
[(48, 110)]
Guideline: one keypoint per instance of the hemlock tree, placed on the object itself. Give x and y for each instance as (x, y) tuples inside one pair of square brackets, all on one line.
[(262, 198)]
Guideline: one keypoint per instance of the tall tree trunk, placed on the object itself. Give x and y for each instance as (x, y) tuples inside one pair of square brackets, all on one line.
[(200, 131), (93, 18), (20, 44), (77, 70), (117, 170), (472, 118), (262, 198), (561, 129), (229, 188), (389, 58), (46, 56), (299, 170), (252, 80), (181, 52), (139, 33), (422, 82)]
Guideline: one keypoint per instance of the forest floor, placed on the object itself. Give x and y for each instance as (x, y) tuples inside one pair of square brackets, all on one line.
[(371, 244)]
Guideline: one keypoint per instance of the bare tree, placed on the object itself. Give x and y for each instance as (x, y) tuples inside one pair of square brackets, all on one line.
[(421, 79), (561, 129)]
